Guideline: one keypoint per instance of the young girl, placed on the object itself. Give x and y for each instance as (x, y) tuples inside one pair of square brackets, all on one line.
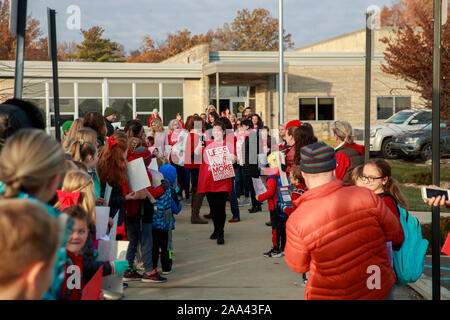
[(76, 125), (112, 170), (216, 192), (75, 249), (32, 165), (376, 176), (96, 122), (87, 153)]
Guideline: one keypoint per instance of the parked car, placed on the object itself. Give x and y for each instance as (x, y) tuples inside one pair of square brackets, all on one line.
[(418, 143), (381, 135)]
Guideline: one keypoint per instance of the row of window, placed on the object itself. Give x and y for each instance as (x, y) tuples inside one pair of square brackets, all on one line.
[(323, 109), (130, 99)]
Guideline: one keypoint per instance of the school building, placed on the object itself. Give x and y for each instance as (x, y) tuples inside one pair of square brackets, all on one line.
[(324, 82)]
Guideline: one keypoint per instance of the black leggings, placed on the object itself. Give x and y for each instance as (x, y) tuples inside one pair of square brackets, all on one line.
[(217, 202), (279, 224), (160, 242)]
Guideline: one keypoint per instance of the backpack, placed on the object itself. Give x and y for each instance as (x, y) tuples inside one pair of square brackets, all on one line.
[(409, 261), (283, 197)]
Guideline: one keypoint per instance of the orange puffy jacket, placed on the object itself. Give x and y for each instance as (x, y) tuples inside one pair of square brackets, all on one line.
[(339, 234)]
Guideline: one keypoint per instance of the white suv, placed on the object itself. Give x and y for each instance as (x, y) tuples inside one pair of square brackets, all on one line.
[(381, 134)]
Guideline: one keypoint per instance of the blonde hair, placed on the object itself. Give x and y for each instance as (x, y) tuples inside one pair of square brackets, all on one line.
[(29, 159), (162, 160), (159, 126), (76, 125), (81, 181), (28, 234), (343, 130), (83, 135)]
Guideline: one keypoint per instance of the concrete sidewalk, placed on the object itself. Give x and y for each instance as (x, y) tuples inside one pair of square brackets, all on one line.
[(203, 270)]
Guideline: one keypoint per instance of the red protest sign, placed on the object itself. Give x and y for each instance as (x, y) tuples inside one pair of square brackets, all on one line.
[(446, 247), (93, 288), (221, 166)]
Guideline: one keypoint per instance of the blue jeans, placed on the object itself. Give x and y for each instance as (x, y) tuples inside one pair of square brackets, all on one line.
[(187, 181), (234, 201), (241, 183), (138, 232)]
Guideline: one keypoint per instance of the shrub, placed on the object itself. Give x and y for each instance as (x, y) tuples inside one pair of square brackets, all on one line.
[(421, 178)]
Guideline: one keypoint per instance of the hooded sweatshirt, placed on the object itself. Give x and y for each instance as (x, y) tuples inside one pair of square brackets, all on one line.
[(348, 157)]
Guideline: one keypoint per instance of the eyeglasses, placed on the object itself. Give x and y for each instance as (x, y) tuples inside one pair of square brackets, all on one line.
[(369, 179)]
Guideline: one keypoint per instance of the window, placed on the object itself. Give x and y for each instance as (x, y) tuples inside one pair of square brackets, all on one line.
[(316, 109), (121, 100), (387, 106), (147, 99), (90, 98), (421, 118), (172, 101)]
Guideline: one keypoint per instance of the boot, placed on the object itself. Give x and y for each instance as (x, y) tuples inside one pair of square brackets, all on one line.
[(220, 238), (197, 200)]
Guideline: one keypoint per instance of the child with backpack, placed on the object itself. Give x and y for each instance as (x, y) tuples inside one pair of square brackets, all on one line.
[(163, 220), (277, 217), (407, 256)]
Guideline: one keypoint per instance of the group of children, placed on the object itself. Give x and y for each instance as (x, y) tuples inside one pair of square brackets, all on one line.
[(60, 186)]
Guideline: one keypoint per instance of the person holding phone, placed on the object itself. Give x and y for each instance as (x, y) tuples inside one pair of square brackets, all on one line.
[(437, 201)]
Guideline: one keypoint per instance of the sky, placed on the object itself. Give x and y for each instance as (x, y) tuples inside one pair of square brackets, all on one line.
[(128, 21)]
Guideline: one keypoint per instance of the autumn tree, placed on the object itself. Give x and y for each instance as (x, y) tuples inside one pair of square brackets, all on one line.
[(409, 52), (255, 31), (94, 48), (35, 44)]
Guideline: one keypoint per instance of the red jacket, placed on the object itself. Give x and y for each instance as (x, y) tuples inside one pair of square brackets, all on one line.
[(271, 194), (344, 162), (339, 234)]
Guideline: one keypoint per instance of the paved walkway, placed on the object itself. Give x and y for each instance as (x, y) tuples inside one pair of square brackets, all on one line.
[(203, 270)]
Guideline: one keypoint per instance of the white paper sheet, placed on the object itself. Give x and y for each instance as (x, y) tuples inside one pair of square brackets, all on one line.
[(137, 175), (259, 186), (110, 251), (101, 221), (116, 124), (113, 231), (108, 190), (153, 165)]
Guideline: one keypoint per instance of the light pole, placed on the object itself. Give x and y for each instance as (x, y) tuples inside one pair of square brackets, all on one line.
[(281, 61)]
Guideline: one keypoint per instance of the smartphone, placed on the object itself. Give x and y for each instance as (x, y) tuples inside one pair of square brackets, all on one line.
[(428, 193)]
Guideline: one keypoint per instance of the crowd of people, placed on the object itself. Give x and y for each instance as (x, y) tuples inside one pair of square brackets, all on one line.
[(342, 215)]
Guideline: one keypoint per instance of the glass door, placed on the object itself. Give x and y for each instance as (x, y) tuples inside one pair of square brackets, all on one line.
[(237, 105)]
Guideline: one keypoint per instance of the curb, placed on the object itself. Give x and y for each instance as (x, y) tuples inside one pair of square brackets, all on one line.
[(424, 288)]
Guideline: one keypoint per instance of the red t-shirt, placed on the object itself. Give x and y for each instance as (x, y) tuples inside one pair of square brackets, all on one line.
[(206, 182), (192, 140)]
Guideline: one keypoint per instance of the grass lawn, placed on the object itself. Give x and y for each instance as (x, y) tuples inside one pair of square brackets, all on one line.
[(402, 171), (415, 201)]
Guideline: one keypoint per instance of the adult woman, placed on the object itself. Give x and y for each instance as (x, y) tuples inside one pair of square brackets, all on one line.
[(289, 150), (349, 155), (159, 135), (232, 119), (303, 136), (96, 122), (175, 129), (256, 122), (179, 117), (242, 126), (155, 115), (212, 117), (216, 191), (192, 162)]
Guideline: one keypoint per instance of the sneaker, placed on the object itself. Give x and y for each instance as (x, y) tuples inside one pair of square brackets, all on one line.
[(153, 277), (254, 209), (268, 253), (188, 202), (269, 223), (243, 203), (131, 275), (274, 253), (167, 271)]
